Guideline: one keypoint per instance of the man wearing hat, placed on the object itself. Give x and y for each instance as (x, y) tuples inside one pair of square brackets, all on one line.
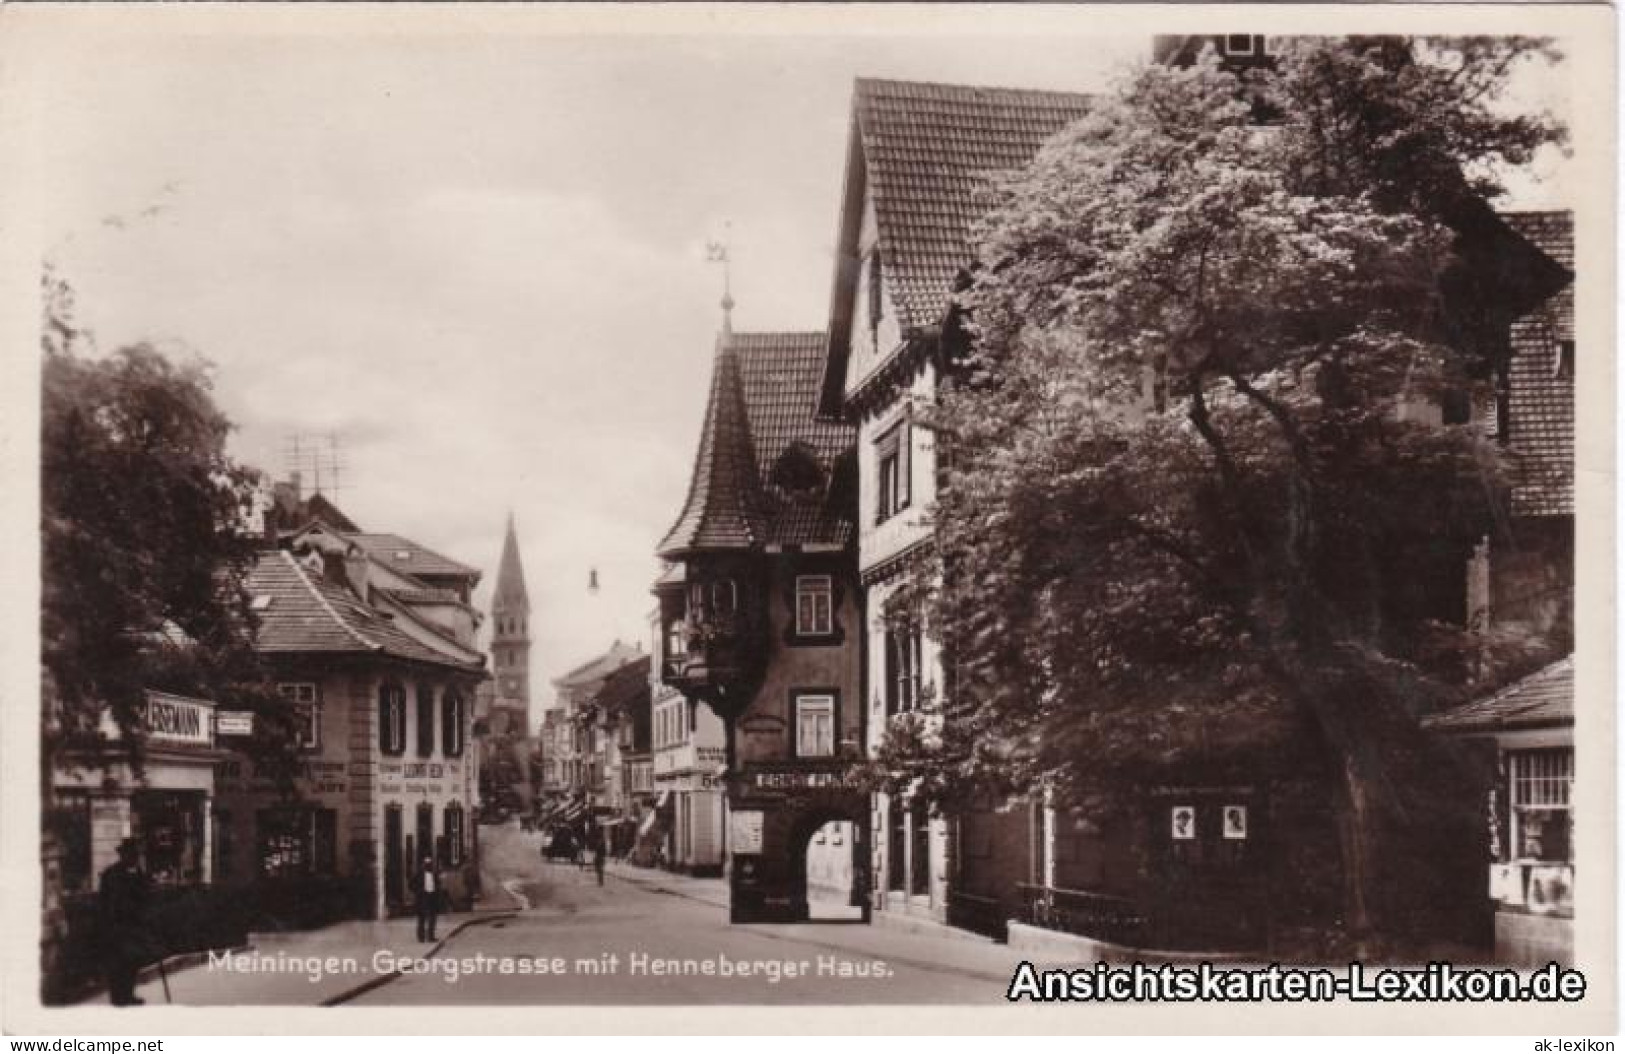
[(123, 902), (426, 889)]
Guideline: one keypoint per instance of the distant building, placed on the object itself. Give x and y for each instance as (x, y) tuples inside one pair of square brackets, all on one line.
[(574, 752), (508, 739), (685, 831)]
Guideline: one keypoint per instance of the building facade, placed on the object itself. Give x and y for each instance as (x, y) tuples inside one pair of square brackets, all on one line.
[(763, 625), (371, 639), (687, 829), (903, 244)]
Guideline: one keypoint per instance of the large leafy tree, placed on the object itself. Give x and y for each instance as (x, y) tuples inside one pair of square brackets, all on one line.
[(144, 546), (1208, 497)]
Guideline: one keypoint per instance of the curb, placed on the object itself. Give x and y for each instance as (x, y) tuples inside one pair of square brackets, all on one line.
[(383, 979)]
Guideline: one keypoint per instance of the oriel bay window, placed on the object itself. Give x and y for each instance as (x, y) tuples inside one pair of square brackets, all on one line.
[(815, 724), (892, 473), (392, 719)]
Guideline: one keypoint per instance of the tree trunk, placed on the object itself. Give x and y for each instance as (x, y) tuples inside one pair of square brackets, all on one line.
[(1357, 836)]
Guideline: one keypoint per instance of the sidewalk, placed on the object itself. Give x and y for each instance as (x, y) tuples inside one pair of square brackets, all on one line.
[(936, 948), (307, 968)]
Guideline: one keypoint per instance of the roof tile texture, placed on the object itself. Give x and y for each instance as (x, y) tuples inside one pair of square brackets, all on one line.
[(927, 149), (1545, 697), (1541, 401)]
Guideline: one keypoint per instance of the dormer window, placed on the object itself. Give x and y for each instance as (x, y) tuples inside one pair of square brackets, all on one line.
[(1239, 45), (1563, 361), (892, 473)]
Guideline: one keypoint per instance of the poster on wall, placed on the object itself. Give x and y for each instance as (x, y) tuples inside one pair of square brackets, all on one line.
[(1182, 822), (746, 832), (1235, 823)]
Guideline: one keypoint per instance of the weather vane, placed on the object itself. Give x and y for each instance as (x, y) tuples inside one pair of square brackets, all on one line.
[(717, 252)]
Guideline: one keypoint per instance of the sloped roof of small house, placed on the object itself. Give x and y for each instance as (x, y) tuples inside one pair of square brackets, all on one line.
[(1540, 412), (300, 611), (403, 554), (1543, 699), (762, 403), (624, 687), (599, 666)]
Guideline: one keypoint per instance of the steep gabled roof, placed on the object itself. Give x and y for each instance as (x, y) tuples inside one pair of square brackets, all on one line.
[(1540, 411), (302, 613), (598, 667), (723, 509), (408, 556), (510, 596), (764, 401), (922, 151), (1543, 699)]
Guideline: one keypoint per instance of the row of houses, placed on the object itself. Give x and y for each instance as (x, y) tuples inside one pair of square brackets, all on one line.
[(809, 502), (371, 640)]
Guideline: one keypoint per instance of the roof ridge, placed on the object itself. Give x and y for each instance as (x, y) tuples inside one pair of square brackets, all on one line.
[(406, 610), (1060, 93), (327, 605)]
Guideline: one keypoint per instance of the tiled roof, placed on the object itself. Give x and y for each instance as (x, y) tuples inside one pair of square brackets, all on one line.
[(763, 401), (302, 613), (625, 686), (1543, 698), (599, 666), (927, 149), (403, 554), (1540, 413), (425, 595)]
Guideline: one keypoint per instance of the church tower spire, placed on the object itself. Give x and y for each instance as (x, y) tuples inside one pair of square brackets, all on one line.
[(510, 634)]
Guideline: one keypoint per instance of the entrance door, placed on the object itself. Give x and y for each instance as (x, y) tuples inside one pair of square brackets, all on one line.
[(394, 872), (834, 873)]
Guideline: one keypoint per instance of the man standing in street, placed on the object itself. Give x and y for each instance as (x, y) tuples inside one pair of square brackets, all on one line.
[(426, 890), (124, 891), (598, 856)]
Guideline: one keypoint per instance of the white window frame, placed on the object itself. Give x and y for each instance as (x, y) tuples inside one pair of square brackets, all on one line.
[(813, 588), (1232, 52), (307, 699), (815, 704), (1538, 781)]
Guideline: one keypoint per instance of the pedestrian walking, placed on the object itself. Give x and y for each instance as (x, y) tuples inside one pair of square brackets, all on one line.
[(598, 855), (123, 894), (426, 888)]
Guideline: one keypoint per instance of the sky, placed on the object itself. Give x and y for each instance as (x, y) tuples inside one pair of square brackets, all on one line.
[(479, 262)]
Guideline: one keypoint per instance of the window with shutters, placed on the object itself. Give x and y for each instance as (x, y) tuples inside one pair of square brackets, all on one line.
[(392, 719), (451, 724)]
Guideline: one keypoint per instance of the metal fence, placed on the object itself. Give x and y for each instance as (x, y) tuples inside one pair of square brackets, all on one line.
[(1095, 915)]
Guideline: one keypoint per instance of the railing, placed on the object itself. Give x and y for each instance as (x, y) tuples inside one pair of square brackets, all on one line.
[(984, 915), (1097, 915)]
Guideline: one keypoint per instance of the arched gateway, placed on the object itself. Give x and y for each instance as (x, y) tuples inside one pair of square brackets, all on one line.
[(779, 881)]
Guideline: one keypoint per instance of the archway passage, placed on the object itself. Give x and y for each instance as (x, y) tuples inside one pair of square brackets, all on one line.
[(831, 864)]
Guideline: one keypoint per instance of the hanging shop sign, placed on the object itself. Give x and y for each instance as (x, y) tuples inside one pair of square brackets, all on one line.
[(234, 723)]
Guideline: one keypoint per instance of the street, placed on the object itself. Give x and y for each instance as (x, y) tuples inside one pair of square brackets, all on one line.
[(629, 943)]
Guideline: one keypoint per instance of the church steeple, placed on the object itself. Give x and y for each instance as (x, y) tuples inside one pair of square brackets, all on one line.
[(510, 629)]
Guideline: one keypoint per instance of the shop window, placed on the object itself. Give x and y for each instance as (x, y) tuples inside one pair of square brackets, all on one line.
[(297, 842), (425, 721), (904, 655), (815, 595), (307, 708), (169, 826), (892, 473), (451, 724), (452, 821), (1541, 781), (815, 726), (392, 719)]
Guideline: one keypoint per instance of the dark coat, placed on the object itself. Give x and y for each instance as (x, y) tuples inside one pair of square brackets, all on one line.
[(418, 890), (124, 892)]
